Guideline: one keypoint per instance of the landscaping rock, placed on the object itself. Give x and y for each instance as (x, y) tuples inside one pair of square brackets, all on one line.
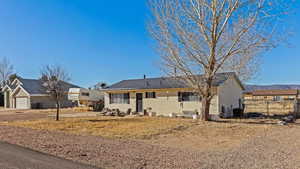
[(172, 115), (254, 115), (152, 114), (214, 117), (289, 119), (195, 117), (282, 123), (84, 155)]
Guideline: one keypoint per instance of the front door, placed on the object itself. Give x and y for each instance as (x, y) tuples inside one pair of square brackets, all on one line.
[(139, 102)]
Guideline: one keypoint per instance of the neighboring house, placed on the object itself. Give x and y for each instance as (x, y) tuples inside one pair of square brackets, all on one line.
[(270, 102), (85, 97), (30, 93), (1, 98), (171, 95)]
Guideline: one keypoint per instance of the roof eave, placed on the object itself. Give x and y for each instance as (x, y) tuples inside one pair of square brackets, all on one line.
[(6, 87), (32, 95), (20, 87), (133, 89), (239, 82)]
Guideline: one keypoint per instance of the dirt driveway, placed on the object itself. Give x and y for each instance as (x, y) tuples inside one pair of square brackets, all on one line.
[(31, 159)]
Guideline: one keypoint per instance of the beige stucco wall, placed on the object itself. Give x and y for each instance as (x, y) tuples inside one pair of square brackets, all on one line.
[(121, 107), (166, 102), (47, 102), (230, 93)]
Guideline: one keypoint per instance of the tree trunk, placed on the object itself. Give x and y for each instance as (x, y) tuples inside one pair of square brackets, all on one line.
[(206, 100), (57, 110), (205, 109)]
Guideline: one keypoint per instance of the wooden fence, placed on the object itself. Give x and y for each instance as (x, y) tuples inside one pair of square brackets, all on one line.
[(269, 107)]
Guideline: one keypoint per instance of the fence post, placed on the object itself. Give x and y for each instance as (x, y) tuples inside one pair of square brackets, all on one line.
[(268, 108), (296, 107)]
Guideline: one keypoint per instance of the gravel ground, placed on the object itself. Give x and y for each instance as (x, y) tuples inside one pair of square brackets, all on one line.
[(278, 148), (21, 116)]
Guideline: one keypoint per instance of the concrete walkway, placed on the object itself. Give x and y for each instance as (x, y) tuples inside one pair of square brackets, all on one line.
[(16, 157)]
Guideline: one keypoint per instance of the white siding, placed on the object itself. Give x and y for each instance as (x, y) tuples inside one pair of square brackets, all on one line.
[(229, 95), (21, 100), (22, 103), (76, 94), (47, 102), (166, 102)]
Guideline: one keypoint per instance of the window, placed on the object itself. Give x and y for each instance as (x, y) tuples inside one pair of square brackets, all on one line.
[(290, 98), (277, 98), (85, 94), (150, 95), (122, 98), (188, 96)]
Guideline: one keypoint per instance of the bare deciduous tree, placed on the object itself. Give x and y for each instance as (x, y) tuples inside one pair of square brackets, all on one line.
[(12, 77), (210, 36), (53, 78), (100, 85), (6, 70)]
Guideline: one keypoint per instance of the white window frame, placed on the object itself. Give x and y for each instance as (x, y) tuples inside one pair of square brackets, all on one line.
[(119, 98)]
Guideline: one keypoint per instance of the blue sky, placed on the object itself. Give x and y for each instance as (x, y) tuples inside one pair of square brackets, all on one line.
[(97, 40)]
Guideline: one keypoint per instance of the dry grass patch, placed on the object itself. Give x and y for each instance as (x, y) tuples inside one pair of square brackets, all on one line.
[(171, 132), (217, 136), (110, 127)]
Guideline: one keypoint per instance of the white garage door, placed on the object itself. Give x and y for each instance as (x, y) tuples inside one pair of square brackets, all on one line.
[(22, 103)]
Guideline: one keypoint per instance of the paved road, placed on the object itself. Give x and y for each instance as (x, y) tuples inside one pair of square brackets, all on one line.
[(16, 157)]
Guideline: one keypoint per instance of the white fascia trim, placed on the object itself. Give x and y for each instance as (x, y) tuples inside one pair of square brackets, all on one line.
[(15, 81), (39, 95), (6, 87), (19, 87)]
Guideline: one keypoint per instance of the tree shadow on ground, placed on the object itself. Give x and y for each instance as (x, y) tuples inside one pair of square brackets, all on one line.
[(260, 119), (117, 120), (255, 121)]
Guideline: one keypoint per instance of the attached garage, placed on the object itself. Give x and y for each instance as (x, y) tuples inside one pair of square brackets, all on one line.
[(31, 94), (22, 103)]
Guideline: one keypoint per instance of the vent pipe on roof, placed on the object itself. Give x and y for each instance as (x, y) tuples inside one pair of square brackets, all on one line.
[(175, 72), (145, 82)]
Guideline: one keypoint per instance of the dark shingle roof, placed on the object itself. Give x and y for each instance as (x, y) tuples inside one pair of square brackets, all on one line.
[(33, 86), (251, 88), (12, 86), (163, 83)]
